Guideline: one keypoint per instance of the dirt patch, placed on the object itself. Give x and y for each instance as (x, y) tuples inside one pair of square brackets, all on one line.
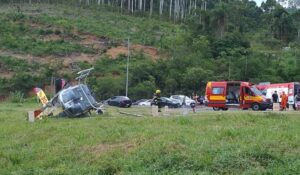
[(36, 25), (74, 58), (151, 52), (27, 57), (93, 41), (86, 39), (66, 61), (101, 149), (122, 50), (116, 74), (97, 42), (6, 74), (148, 50), (51, 37), (117, 51)]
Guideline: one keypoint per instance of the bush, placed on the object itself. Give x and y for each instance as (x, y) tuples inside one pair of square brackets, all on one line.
[(16, 97)]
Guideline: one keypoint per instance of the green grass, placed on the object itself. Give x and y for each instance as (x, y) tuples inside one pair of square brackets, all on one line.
[(204, 143)]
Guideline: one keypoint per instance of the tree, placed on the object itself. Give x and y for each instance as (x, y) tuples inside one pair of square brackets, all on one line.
[(195, 79), (269, 5), (219, 19), (283, 27)]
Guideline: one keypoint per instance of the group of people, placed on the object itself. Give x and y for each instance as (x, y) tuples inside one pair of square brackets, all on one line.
[(284, 100)]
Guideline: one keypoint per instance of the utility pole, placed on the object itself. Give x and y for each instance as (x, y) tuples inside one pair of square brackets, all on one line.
[(229, 68), (127, 67), (246, 67)]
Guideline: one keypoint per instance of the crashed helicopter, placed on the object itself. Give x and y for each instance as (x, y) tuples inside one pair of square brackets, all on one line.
[(70, 101)]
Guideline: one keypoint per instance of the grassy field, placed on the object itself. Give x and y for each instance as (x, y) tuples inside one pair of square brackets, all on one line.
[(203, 143)]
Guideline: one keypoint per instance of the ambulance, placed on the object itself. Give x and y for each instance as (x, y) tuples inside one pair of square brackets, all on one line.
[(290, 89), (222, 95)]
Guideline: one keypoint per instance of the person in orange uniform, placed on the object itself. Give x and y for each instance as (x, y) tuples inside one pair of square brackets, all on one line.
[(284, 100)]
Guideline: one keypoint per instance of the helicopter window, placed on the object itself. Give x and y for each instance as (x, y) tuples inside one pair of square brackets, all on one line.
[(68, 96)]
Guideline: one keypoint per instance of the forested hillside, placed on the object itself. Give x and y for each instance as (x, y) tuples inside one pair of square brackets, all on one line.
[(175, 45)]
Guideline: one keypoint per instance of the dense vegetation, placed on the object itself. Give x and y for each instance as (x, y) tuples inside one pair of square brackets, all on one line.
[(214, 40), (197, 42), (205, 143)]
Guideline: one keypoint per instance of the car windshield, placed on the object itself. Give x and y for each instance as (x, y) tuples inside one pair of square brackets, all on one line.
[(175, 97), (123, 98), (164, 98), (186, 98), (255, 91), (168, 100)]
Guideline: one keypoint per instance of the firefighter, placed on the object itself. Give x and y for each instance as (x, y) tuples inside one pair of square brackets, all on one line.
[(157, 100), (284, 101)]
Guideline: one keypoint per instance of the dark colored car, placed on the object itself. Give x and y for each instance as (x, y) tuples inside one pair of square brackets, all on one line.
[(168, 102), (120, 101)]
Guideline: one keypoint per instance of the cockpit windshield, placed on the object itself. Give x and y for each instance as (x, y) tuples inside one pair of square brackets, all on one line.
[(68, 96), (256, 91)]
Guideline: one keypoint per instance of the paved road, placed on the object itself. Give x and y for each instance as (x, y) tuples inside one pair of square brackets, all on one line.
[(210, 109)]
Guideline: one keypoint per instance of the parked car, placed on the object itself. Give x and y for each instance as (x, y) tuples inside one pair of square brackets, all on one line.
[(182, 98), (176, 101), (120, 101), (165, 101), (138, 101), (145, 103)]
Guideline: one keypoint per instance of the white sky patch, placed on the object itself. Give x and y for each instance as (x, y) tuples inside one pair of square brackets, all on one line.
[(258, 2)]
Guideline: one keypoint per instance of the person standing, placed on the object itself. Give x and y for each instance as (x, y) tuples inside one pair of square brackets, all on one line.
[(193, 106), (157, 100), (275, 97), (297, 101), (284, 100), (183, 101), (194, 96)]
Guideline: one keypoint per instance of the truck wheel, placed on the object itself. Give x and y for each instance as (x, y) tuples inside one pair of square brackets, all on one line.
[(255, 107), (224, 109), (216, 108)]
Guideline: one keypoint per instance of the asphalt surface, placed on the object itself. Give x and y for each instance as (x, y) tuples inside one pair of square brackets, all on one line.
[(203, 108)]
